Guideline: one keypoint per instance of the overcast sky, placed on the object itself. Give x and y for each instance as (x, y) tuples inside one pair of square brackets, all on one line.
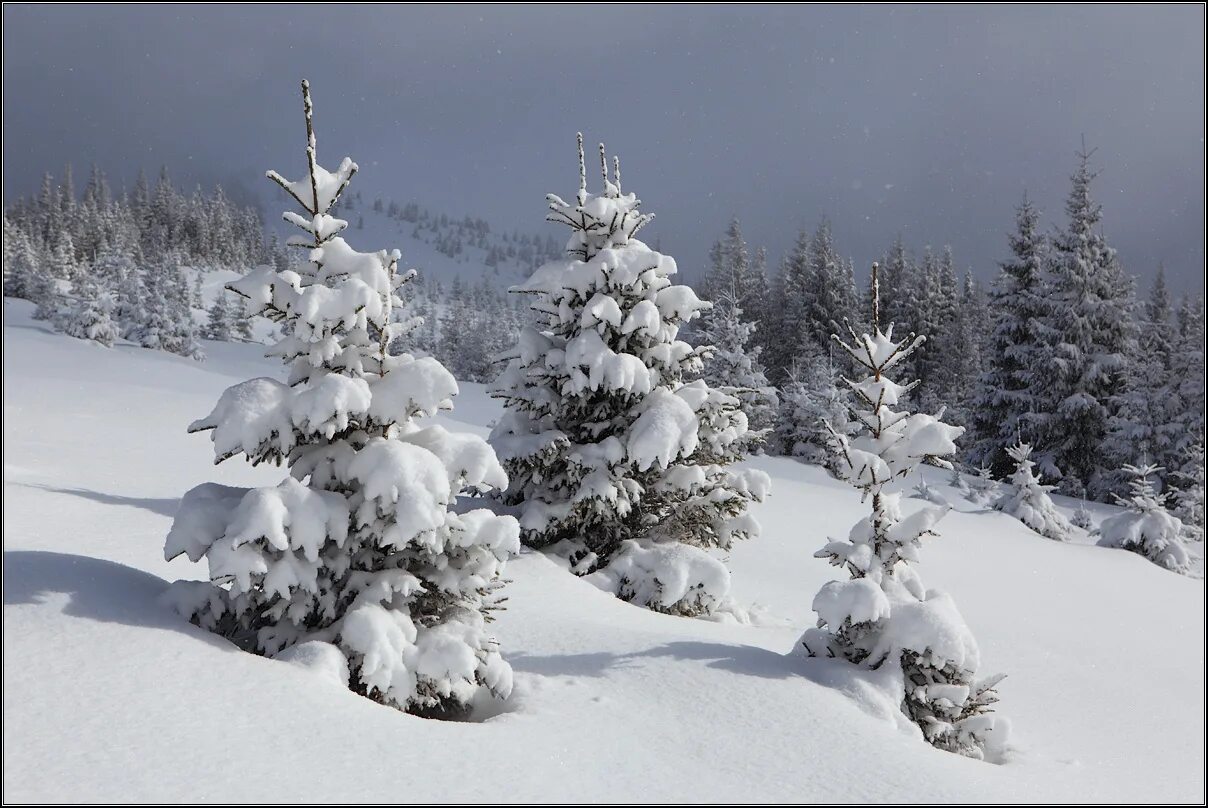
[(929, 121)]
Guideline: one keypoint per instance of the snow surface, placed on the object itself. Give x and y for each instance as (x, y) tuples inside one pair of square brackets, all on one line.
[(109, 695)]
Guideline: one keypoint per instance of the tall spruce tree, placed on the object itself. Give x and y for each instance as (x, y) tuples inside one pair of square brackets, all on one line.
[(1186, 470), (1005, 404), (363, 547), (832, 298), (1145, 418), (788, 318), (1092, 337)]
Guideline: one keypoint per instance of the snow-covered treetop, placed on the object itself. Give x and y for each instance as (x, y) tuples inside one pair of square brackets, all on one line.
[(1142, 496), (598, 221), (892, 442), (1021, 453)]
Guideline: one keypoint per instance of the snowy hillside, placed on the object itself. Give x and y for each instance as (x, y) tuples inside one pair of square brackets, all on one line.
[(111, 696)]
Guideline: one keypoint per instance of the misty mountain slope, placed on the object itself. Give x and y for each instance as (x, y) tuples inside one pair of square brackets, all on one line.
[(110, 696), (444, 248)]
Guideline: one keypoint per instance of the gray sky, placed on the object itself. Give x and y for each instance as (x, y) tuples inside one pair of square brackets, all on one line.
[(929, 121)]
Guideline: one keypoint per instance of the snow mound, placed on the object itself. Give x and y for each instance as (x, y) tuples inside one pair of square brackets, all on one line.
[(668, 577)]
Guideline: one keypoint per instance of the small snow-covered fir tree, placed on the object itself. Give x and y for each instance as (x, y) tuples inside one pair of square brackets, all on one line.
[(983, 489), (91, 317), (812, 408), (733, 366), (1146, 527), (883, 613), (607, 449), (241, 322), (364, 547), (956, 481), (1028, 500), (220, 324), (182, 332), (1082, 517)]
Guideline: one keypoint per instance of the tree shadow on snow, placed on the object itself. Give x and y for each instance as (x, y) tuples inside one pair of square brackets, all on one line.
[(593, 664), (99, 590), (743, 659), (163, 507), (749, 660)]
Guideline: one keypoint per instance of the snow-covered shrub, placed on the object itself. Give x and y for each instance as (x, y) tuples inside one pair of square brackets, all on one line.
[(1028, 500), (1146, 528), (365, 545), (668, 577), (883, 613), (602, 439)]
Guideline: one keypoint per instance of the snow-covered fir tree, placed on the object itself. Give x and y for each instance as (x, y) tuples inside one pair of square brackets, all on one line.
[(1145, 417), (969, 333), (788, 311), (1188, 490), (1028, 500), (733, 271), (1186, 458), (220, 324), (1082, 517), (608, 450), (1092, 336), (733, 365), (983, 488), (928, 318), (364, 548), (91, 316), (899, 284), (832, 293), (168, 323), (813, 407), (883, 614), (47, 291), (1146, 527), (20, 263)]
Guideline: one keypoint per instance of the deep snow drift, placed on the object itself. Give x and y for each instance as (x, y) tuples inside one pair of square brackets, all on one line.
[(110, 696)]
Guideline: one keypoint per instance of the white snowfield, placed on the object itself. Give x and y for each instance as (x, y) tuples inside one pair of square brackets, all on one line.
[(110, 696)]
